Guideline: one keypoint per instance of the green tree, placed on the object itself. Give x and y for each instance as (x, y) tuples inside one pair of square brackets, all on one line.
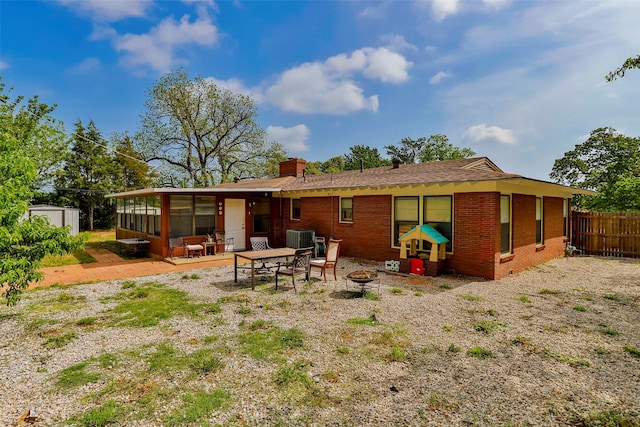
[(88, 175), (363, 155), (333, 165), (39, 133), (202, 134), (132, 172), (436, 147), (23, 242), (629, 64), (313, 168), (607, 162)]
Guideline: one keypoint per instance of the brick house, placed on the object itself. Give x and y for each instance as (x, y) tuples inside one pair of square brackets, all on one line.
[(497, 223)]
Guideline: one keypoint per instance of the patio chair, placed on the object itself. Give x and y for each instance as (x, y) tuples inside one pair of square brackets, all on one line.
[(299, 266), (221, 242), (179, 242), (174, 242), (261, 244), (330, 261), (319, 247)]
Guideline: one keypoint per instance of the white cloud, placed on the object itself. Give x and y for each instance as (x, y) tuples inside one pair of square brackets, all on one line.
[(496, 4), (330, 87), (442, 8), (237, 86), (294, 138), (310, 89), (155, 49), (108, 10), (439, 77), (481, 132), (375, 10), (386, 66), (397, 43), (3, 65), (88, 64)]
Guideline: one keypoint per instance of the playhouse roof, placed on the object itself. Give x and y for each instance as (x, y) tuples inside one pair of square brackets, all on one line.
[(424, 232)]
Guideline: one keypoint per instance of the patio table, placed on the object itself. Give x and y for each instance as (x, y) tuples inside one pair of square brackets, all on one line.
[(262, 256)]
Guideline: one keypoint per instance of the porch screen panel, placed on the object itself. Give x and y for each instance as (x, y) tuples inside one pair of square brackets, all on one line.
[(140, 214), (437, 213), (153, 215), (505, 224), (405, 216), (205, 209), (129, 213), (261, 216), (120, 213), (180, 216)]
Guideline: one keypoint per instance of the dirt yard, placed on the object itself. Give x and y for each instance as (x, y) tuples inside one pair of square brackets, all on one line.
[(555, 345)]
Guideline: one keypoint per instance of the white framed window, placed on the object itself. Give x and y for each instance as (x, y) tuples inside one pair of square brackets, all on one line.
[(346, 209), (505, 224), (565, 216), (539, 221), (295, 208), (438, 214), (406, 215)]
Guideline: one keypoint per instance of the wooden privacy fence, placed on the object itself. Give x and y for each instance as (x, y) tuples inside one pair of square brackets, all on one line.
[(606, 233)]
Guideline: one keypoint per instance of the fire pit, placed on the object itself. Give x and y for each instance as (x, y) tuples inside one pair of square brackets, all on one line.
[(362, 278)]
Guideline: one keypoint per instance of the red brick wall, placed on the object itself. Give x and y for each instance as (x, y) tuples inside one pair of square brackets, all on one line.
[(292, 167), (526, 253), (369, 236), (476, 230), (476, 235)]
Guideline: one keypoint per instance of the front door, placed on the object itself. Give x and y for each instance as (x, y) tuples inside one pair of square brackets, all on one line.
[(234, 210)]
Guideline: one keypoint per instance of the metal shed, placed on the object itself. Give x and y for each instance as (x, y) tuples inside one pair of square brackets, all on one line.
[(58, 216)]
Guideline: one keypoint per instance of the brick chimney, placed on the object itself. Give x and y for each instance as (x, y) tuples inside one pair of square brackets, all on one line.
[(293, 166)]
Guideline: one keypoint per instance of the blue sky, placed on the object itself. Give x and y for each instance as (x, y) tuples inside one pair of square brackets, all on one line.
[(521, 82)]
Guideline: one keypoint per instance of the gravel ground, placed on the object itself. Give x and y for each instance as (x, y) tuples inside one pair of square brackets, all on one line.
[(563, 341)]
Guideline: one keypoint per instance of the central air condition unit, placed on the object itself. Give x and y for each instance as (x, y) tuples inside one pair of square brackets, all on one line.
[(300, 238)]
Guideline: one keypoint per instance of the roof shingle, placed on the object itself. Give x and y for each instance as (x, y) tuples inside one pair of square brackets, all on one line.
[(459, 170)]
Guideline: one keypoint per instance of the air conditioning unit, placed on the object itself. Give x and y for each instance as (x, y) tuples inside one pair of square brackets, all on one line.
[(300, 238)]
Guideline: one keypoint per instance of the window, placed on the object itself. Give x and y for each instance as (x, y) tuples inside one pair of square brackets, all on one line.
[(565, 216), (539, 236), (437, 213), (205, 214), (505, 225), (180, 216), (405, 216), (346, 209), (261, 216), (295, 208), (153, 215)]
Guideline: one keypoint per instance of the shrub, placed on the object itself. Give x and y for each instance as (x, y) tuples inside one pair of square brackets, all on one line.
[(479, 352)]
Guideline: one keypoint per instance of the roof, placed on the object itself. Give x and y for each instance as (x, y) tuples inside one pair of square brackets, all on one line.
[(459, 170), (45, 207), (477, 169)]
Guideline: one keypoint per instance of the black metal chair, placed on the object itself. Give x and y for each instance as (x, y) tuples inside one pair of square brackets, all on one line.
[(299, 266)]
